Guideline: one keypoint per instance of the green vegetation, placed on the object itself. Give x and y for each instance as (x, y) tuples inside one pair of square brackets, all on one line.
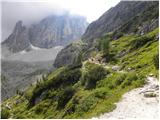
[(5, 113), (105, 45), (140, 41), (90, 89), (156, 61), (64, 97), (91, 76)]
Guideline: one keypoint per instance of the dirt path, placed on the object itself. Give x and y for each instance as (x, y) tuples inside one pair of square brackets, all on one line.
[(134, 104)]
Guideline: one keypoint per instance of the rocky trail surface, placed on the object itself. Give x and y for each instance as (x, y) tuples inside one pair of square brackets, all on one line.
[(138, 103)]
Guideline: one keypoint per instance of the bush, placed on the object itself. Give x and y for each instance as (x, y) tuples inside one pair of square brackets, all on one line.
[(119, 79), (104, 45), (39, 109), (156, 60), (5, 113), (140, 41), (100, 93), (91, 77), (64, 97), (117, 34), (129, 79), (87, 104), (115, 80), (68, 76)]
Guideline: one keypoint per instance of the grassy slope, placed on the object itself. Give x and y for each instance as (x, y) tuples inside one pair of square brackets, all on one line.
[(89, 103), (141, 59)]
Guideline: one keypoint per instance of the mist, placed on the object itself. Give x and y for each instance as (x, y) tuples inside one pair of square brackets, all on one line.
[(32, 11), (28, 12)]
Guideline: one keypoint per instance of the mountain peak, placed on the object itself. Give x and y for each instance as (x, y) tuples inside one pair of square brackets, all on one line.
[(51, 31)]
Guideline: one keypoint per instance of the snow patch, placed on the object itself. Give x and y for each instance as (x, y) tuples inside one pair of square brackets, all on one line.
[(34, 47), (57, 47), (23, 52)]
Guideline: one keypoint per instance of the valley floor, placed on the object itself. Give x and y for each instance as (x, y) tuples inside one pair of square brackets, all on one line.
[(136, 104)]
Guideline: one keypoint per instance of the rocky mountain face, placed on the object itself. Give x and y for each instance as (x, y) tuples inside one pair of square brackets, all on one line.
[(127, 17), (69, 54), (35, 49), (19, 39), (51, 31), (118, 16)]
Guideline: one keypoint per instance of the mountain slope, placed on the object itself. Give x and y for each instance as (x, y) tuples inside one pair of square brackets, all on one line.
[(49, 32), (92, 88), (18, 40), (91, 80), (57, 30), (128, 17), (116, 17), (18, 75), (35, 55)]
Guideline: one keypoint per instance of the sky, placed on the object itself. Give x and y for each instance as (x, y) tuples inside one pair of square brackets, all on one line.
[(32, 11)]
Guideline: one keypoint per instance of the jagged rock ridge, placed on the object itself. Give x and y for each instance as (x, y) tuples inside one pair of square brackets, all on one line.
[(117, 16), (51, 31)]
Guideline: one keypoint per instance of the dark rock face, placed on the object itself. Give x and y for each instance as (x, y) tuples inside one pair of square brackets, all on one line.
[(51, 31), (69, 54), (114, 18), (57, 30), (148, 26), (19, 39)]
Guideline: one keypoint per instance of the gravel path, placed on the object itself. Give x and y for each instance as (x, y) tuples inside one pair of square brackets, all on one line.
[(134, 104)]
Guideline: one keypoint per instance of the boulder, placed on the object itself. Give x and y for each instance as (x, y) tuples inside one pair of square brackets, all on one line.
[(116, 68)]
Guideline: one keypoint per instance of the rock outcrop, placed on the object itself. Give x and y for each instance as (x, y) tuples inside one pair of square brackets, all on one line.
[(118, 16), (18, 40), (57, 30), (69, 54), (51, 31)]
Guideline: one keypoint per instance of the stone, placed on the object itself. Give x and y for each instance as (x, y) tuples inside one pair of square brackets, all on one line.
[(116, 68), (150, 94)]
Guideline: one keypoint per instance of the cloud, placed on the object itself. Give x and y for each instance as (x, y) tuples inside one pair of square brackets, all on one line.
[(32, 11), (28, 12)]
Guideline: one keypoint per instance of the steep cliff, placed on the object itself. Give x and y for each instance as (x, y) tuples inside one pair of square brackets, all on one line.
[(18, 40), (119, 15), (49, 32), (57, 30)]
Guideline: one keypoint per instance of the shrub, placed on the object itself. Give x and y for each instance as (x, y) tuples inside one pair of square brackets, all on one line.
[(100, 93), (68, 76), (5, 113), (117, 34), (78, 60), (94, 74), (104, 45), (156, 60), (140, 41), (64, 97), (71, 106), (115, 80), (119, 79), (87, 104), (39, 109), (129, 79)]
